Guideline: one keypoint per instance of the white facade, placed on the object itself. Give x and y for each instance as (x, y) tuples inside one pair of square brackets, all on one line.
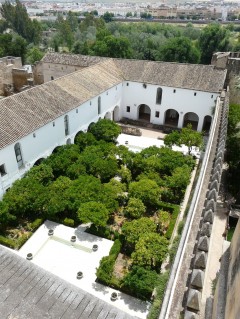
[(122, 100), (181, 100)]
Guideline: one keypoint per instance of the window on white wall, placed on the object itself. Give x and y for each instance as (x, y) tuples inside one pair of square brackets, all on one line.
[(128, 109), (99, 105), (159, 96), (66, 125), (18, 154), (195, 93), (2, 170), (157, 114)]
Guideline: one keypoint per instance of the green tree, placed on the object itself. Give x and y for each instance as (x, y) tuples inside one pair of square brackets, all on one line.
[(108, 17), (213, 38), (114, 47), (62, 159), (135, 208), (140, 282), (163, 220), (84, 139), (136, 228), (180, 50), (150, 250), (93, 212), (42, 173), (187, 136), (106, 130), (125, 174), (13, 45), (55, 200), (146, 190), (5, 217), (18, 19), (34, 55)]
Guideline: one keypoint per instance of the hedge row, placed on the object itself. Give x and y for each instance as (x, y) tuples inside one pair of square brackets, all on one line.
[(160, 291), (105, 270), (17, 243), (174, 211)]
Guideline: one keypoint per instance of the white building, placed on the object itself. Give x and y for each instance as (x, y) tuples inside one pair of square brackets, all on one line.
[(35, 122)]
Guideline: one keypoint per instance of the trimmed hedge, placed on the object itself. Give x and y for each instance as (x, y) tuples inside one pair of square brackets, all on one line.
[(174, 211), (160, 291), (7, 242), (105, 270), (68, 222), (35, 224)]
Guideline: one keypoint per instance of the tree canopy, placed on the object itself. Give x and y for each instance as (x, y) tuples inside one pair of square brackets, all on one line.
[(179, 50), (150, 250), (93, 212), (18, 19), (187, 136), (213, 38)]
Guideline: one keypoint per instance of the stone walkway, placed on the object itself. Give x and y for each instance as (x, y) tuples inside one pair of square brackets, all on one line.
[(215, 250)]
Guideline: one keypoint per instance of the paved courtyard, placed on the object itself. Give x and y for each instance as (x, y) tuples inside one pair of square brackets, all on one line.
[(60, 256)]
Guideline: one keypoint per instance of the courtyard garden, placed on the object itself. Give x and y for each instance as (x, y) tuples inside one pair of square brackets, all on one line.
[(130, 198)]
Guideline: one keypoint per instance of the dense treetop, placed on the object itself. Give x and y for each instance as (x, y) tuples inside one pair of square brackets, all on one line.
[(101, 36)]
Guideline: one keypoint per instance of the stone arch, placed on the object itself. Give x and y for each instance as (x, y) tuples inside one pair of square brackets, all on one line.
[(39, 161), (144, 112), (108, 116), (171, 117), (191, 118), (116, 113), (68, 141), (207, 121)]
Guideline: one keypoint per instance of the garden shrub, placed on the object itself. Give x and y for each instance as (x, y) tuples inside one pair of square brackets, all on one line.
[(105, 270), (68, 222), (174, 216), (35, 224), (7, 242), (180, 227), (173, 249), (21, 240), (160, 290), (140, 282), (116, 248)]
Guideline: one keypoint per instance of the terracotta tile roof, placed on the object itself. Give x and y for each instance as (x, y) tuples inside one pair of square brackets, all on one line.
[(30, 292), (27, 111), (72, 59), (178, 75)]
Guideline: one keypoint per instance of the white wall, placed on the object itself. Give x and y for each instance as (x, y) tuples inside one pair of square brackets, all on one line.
[(182, 100), (48, 137)]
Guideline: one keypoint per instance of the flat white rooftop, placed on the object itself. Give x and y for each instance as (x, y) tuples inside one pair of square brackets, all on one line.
[(64, 258)]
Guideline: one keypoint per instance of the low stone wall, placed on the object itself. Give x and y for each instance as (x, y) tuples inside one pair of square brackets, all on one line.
[(202, 246), (130, 130)]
